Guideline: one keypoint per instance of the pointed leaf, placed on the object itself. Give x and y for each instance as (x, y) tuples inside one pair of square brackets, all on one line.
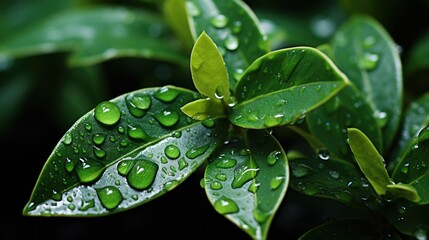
[(208, 69), (247, 181), (202, 109), (348, 108), (292, 82), (370, 161), (123, 153), (349, 228), (404, 190), (95, 35), (332, 178), (234, 28), (365, 52)]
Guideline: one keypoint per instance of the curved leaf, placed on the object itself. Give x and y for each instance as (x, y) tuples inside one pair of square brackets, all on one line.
[(339, 229), (292, 82), (365, 52), (97, 34), (329, 122), (332, 178), (202, 109), (370, 162), (123, 153), (234, 28), (247, 181)]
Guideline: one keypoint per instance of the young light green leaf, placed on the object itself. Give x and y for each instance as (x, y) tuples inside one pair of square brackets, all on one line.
[(292, 82), (234, 28), (404, 190), (327, 177), (202, 109), (97, 34), (365, 52), (247, 180), (124, 153), (370, 162), (208, 69)]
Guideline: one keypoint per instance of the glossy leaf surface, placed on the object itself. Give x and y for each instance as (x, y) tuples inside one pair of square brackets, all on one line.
[(97, 34), (202, 109), (282, 86), (247, 180), (370, 162), (343, 229), (329, 122), (332, 178), (413, 167), (123, 153), (234, 28), (365, 52)]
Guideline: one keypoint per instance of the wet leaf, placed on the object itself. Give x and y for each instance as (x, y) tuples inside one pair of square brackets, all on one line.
[(370, 162), (365, 52), (234, 28), (124, 153), (202, 109), (327, 177), (96, 34), (247, 180), (175, 15), (292, 82)]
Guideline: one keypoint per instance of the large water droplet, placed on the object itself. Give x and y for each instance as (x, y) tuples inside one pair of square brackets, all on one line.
[(253, 187), (243, 174), (272, 121), (98, 138), (172, 151), (182, 164), (107, 113), (67, 139), (276, 182), (125, 166), (323, 154), (231, 42), (219, 21), (142, 174), (89, 170), (215, 185), (273, 157), (167, 117), (137, 133), (369, 61), (98, 152), (110, 197), (197, 151), (138, 104), (226, 163), (226, 205), (166, 94), (261, 215)]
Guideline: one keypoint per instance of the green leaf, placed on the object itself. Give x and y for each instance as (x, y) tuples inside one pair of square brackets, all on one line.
[(208, 69), (175, 15), (329, 122), (339, 229), (404, 190), (97, 34), (234, 28), (123, 153), (202, 109), (331, 178), (370, 161), (413, 167), (247, 180), (292, 82), (365, 52), (417, 58), (415, 119)]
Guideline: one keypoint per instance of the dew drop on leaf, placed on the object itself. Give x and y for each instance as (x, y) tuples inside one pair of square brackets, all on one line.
[(323, 154), (69, 165), (301, 170), (231, 42), (172, 151), (272, 121), (138, 104), (215, 185), (220, 177), (273, 157), (243, 174), (98, 138), (334, 174), (225, 205), (98, 152), (182, 164), (88, 127), (107, 113), (219, 21), (208, 123), (110, 197), (195, 152), (236, 27), (89, 170), (369, 42), (369, 61), (166, 94), (67, 140), (167, 117), (125, 166), (136, 133), (226, 163), (142, 174), (192, 9), (253, 187), (276, 182), (261, 215)]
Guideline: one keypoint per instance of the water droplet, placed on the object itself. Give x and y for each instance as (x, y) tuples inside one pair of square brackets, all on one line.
[(69, 165), (67, 139), (301, 170), (166, 94), (261, 215), (195, 152), (236, 27), (110, 197), (369, 61), (231, 42), (226, 205), (125, 166), (192, 9), (420, 233), (238, 73), (253, 187), (208, 123), (226, 163), (89, 170), (98, 138), (343, 195), (276, 182), (369, 42), (243, 174), (215, 185), (176, 134), (107, 113), (182, 164), (219, 21), (272, 121), (273, 157), (98, 152), (142, 174), (381, 118), (323, 154), (137, 133), (404, 168), (138, 104), (220, 177), (167, 117), (334, 174), (172, 151), (88, 127)]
